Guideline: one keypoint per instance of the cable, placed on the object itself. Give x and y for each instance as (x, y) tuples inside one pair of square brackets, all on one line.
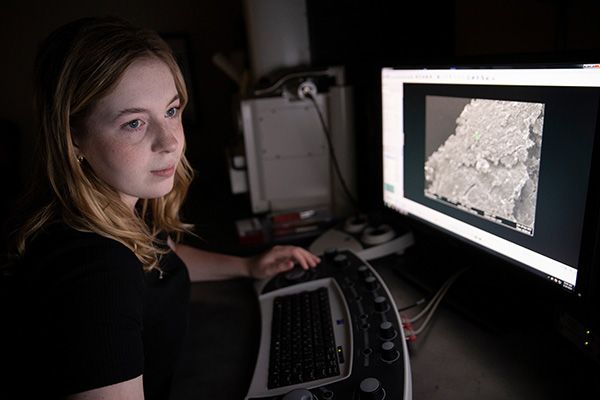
[(411, 334), (415, 304), (282, 80), (311, 96), (437, 297)]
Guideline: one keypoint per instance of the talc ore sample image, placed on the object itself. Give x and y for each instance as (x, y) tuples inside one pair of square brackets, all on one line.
[(491, 161)]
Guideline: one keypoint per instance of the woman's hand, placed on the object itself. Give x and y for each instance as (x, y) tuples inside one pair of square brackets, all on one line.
[(279, 259)]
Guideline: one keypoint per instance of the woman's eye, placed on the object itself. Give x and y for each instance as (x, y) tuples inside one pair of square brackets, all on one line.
[(135, 124), (171, 112)]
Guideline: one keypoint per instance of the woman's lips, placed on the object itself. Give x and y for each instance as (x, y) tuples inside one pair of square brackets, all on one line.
[(164, 173)]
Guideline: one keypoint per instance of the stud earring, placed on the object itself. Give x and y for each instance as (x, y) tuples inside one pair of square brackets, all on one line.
[(80, 159)]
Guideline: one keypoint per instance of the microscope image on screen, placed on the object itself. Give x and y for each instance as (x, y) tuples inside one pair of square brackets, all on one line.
[(483, 156)]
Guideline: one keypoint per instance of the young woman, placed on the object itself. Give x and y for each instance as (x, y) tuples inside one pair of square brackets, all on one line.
[(99, 274)]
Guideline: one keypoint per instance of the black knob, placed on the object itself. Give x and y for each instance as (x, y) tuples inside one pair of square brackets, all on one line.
[(363, 272), (341, 261), (381, 304), (371, 283), (296, 274), (387, 331), (370, 389), (389, 352), (330, 253), (298, 394)]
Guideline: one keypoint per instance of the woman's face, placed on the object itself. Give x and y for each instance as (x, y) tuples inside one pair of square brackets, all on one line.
[(133, 138)]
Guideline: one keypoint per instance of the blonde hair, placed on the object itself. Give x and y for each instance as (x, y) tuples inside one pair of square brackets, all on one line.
[(77, 66)]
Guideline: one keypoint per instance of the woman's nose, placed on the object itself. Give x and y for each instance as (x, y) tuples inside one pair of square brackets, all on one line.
[(165, 139)]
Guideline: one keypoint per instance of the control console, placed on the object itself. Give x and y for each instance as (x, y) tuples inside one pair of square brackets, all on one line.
[(371, 346)]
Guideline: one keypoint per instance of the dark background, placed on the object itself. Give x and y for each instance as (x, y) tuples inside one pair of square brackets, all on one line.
[(361, 35)]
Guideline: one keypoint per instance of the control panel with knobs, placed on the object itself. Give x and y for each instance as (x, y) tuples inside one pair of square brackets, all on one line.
[(380, 363)]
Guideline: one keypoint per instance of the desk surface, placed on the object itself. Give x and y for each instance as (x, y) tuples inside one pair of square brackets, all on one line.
[(454, 358)]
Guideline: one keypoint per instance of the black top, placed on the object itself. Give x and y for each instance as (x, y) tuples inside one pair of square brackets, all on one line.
[(88, 316)]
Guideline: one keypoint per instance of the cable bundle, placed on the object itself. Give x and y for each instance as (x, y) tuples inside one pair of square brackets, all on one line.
[(429, 310)]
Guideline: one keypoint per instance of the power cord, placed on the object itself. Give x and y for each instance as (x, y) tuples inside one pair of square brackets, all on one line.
[(411, 333), (309, 93), (415, 304)]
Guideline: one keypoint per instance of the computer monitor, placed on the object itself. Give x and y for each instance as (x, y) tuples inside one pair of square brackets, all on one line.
[(504, 158)]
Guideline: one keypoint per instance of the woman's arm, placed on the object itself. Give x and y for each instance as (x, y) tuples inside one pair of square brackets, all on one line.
[(132, 389), (205, 266)]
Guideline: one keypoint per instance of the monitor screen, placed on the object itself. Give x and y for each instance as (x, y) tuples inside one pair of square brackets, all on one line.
[(501, 157)]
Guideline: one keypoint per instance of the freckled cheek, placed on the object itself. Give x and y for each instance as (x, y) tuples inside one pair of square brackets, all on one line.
[(179, 133), (180, 136), (120, 162)]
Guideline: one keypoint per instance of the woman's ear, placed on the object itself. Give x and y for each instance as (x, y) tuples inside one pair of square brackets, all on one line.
[(77, 149), (78, 153), (75, 141)]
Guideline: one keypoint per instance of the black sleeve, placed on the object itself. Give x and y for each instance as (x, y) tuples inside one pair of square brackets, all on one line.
[(87, 312)]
